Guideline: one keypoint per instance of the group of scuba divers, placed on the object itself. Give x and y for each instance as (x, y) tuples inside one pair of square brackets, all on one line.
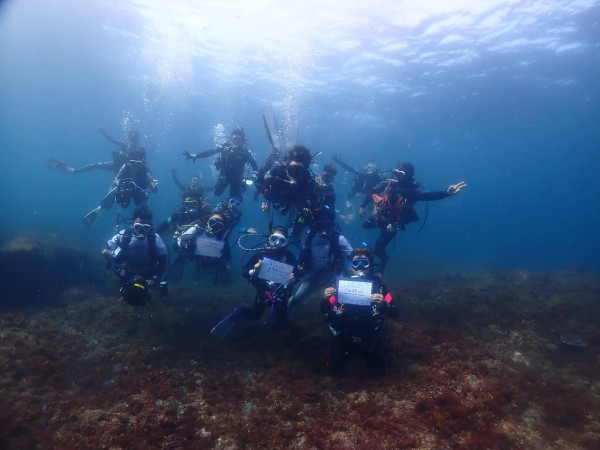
[(355, 302)]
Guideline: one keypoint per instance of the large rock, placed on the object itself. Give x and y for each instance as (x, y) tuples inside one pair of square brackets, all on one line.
[(35, 271)]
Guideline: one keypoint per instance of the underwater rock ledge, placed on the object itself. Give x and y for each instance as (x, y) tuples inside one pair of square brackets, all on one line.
[(35, 271)]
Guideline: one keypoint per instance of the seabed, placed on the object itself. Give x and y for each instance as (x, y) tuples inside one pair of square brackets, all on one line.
[(476, 362)]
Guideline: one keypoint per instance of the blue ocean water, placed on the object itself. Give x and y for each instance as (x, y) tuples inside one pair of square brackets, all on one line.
[(503, 95)]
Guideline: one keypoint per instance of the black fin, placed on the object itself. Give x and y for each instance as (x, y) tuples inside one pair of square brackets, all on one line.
[(58, 165), (222, 329)]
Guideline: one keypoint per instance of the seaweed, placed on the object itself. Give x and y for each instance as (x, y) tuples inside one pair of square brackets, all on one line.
[(477, 363)]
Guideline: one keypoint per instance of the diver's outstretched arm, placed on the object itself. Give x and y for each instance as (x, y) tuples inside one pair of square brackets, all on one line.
[(195, 156), (345, 166), (176, 180), (109, 137)]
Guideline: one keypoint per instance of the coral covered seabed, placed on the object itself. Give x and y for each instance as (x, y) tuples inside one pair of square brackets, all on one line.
[(477, 362)]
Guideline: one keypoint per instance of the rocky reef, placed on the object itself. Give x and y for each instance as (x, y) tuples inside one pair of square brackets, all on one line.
[(37, 271), (476, 362)]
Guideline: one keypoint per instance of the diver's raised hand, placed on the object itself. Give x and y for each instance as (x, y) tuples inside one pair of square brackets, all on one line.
[(292, 278), (254, 271), (189, 156), (454, 189)]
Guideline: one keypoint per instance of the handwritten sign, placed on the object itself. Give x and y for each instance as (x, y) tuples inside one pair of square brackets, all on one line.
[(275, 271), (209, 247), (354, 292)]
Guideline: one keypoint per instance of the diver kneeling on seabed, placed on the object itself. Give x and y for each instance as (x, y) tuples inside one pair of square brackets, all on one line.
[(272, 270), (356, 309)]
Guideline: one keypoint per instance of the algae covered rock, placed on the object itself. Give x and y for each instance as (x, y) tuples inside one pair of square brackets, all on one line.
[(35, 271)]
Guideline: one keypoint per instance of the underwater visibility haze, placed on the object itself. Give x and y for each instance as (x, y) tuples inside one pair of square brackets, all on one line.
[(504, 95)]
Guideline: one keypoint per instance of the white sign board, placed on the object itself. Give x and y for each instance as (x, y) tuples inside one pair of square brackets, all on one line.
[(275, 271), (209, 247), (354, 292)]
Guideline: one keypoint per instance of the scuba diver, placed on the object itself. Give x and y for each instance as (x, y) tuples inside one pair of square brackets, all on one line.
[(130, 143), (194, 208), (120, 156), (321, 204), (139, 257), (272, 270), (270, 292), (232, 210), (232, 158), (356, 309), (323, 254), (205, 243), (363, 183), (190, 212), (134, 180), (287, 188), (193, 189), (394, 205)]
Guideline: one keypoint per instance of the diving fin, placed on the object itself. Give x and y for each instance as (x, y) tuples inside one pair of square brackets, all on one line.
[(271, 126), (279, 137), (91, 217), (59, 165), (222, 329), (109, 198)]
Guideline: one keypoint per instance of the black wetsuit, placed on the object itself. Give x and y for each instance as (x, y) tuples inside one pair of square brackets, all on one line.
[(231, 162), (268, 293), (363, 183), (288, 187), (274, 158), (133, 182), (319, 211), (184, 217), (359, 326)]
